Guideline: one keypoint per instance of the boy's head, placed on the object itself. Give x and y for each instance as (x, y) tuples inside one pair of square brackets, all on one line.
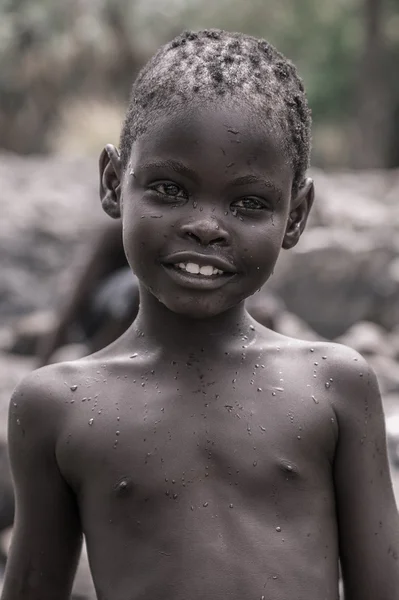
[(217, 65), (211, 175)]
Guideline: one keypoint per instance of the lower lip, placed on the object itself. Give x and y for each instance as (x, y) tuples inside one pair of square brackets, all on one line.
[(197, 282)]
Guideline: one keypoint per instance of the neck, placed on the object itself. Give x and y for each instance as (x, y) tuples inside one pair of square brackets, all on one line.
[(162, 328)]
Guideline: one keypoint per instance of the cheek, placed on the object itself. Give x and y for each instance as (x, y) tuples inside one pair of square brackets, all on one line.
[(263, 247), (145, 233), (138, 238)]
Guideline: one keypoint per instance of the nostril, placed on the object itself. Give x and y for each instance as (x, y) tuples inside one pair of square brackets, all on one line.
[(192, 236), (219, 240)]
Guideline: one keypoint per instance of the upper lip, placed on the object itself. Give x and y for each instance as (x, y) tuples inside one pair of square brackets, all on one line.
[(200, 259)]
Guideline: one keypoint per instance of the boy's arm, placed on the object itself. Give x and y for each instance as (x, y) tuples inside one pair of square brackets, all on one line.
[(368, 522), (46, 539)]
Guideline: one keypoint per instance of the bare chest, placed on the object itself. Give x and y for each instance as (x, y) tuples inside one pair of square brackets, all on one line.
[(155, 439)]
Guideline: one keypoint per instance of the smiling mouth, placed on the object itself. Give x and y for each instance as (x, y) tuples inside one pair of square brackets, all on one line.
[(195, 269)]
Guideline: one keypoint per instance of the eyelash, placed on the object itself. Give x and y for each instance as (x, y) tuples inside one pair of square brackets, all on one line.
[(169, 184), (261, 204), (245, 209)]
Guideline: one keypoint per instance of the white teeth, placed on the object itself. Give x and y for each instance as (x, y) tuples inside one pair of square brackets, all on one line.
[(192, 268), (195, 269), (208, 270)]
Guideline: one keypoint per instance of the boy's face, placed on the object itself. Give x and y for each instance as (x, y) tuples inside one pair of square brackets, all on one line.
[(206, 191)]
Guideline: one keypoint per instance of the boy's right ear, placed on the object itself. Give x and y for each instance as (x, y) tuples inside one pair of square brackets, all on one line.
[(110, 181)]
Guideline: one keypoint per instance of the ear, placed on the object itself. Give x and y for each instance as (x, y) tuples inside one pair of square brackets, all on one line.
[(300, 208), (110, 181)]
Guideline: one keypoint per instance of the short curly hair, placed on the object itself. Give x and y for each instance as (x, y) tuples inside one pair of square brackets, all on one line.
[(211, 64)]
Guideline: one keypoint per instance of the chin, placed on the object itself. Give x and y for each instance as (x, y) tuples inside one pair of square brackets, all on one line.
[(196, 309)]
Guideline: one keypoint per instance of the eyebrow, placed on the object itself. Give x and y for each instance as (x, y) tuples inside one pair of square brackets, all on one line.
[(248, 179), (172, 164)]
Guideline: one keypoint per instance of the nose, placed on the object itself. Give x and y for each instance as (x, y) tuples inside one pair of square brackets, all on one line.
[(206, 231)]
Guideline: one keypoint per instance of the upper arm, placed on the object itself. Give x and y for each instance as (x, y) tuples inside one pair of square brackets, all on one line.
[(46, 539), (368, 521)]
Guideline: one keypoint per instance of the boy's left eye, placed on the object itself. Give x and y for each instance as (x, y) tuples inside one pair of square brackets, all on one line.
[(249, 203)]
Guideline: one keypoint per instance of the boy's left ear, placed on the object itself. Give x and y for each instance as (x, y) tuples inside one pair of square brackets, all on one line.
[(110, 181), (300, 208)]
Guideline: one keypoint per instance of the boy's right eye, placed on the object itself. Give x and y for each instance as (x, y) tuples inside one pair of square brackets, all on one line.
[(169, 189)]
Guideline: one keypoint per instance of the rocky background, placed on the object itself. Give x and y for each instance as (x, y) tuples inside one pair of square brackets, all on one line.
[(340, 283)]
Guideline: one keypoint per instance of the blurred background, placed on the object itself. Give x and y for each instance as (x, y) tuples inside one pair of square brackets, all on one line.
[(65, 75)]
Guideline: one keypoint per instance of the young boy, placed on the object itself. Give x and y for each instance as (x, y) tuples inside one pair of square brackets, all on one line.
[(202, 455)]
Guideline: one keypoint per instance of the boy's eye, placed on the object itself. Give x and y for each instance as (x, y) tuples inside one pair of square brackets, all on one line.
[(249, 203), (172, 190)]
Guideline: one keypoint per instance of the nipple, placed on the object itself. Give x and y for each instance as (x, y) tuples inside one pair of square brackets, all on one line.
[(123, 486)]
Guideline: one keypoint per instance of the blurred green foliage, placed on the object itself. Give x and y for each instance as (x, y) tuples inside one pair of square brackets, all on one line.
[(52, 53)]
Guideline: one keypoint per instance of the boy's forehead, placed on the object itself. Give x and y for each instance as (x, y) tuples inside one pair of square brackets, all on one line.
[(223, 132)]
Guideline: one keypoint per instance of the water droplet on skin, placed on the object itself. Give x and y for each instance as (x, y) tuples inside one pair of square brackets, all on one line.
[(117, 432), (205, 504), (255, 463), (192, 507), (327, 384), (360, 374), (299, 437), (74, 388), (91, 421), (174, 496), (133, 355), (259, 389), (84, 399), (273, 393), (18, 422), (312, 349), (315, 400), (324, 357), (274, 576), (230, 506), (252, 328), (278, 528), (262, 428)]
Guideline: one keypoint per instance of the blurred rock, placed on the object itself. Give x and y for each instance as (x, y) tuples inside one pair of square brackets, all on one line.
[(392, 428), (49, 207), (387, 371), (345, 267), (28, 330), (368, 339)]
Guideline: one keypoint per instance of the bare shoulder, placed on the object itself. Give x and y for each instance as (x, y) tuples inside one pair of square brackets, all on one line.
[(352, 378), (40, 398)]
